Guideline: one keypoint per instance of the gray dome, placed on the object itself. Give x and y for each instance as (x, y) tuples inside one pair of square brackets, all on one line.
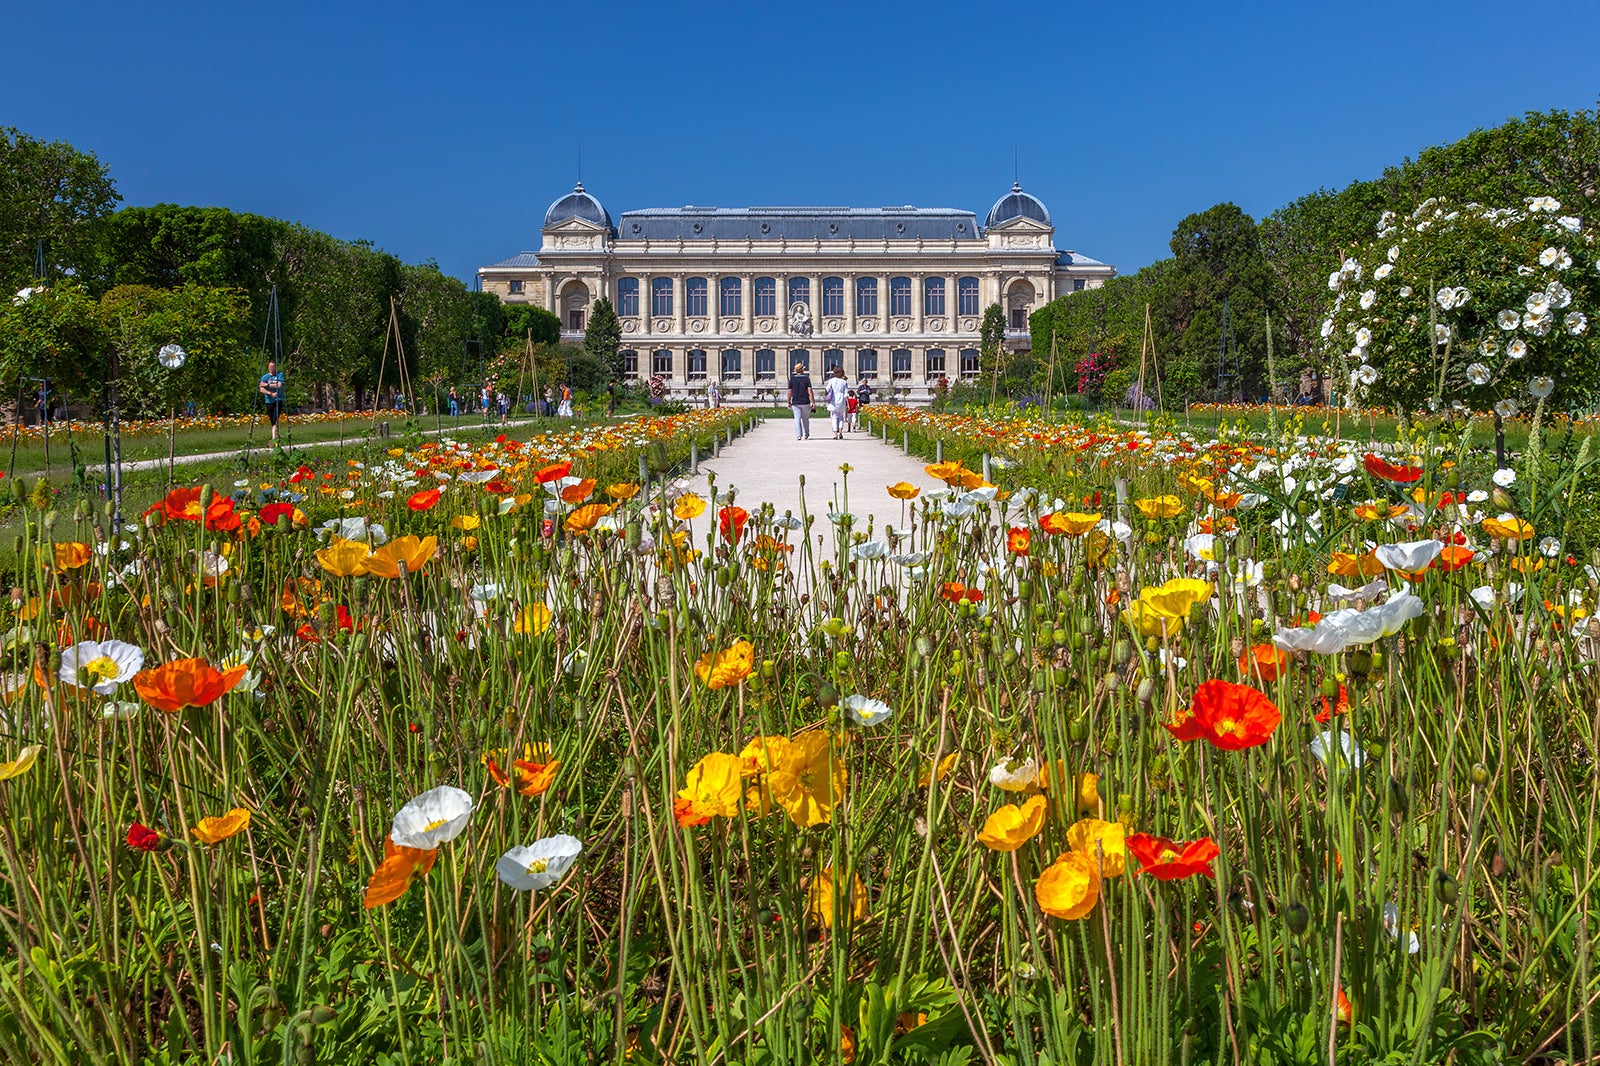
[(1017, 204), (577, 204)]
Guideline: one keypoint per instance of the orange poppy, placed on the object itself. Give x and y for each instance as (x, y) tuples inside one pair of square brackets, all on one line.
[(1264, 662), (1233, 717), (413, 551), (579, 492), (553, 472), (1342, 707), (186, 683), (531, 778), (731, 520), (420, 501), (1453, 557), (1380, 468), (585, 518), (394, 875), (1017, 541)]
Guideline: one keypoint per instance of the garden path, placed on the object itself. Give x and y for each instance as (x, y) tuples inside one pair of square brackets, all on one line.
[(766, 466)]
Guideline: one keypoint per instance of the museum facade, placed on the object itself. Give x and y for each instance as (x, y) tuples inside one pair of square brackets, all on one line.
[(894, 295)]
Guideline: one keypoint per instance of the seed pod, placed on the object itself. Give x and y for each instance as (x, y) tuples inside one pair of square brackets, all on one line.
[(1297, 918), (1330, 688), (925, 647), (1122, 652), (1146, 691), (207, 493), (50, 518), (1445, 888)]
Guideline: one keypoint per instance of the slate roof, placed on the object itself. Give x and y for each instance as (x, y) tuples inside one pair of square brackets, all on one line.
[(798, 224), (521, 259), (1077, 259), (577, 204), (1017, 204)]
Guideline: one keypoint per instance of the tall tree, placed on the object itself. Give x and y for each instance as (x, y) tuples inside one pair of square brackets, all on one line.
[(603, 339), (212, 325), (519, 319), (56, 334), (50, 192)]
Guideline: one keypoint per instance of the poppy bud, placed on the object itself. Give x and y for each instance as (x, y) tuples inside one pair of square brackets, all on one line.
[(1330, 688), (1297, 918), (925, 647), (827, 696), (1480, 774), (50, 519), (1024, 589), (1445, 888), (17, 544), (321, 1015), (1122, 652), (769, 669), (541, 954), (1146, 692), (206, 495), (1397, 795), (1078, 729), (82, 512)]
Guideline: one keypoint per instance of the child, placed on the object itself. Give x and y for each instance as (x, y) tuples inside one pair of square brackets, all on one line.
[(851, 405)]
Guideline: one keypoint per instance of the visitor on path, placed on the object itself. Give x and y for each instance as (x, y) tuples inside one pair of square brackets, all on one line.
[(505, 405), (271, 389), (838, 394), (801, 397), (549, 401), (864, 392), (851, 404), (566, 401), (483, 402), (714, 396), (455, 404), (611, 399)]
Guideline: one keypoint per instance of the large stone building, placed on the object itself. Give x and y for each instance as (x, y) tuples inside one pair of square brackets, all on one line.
[(739, 295)]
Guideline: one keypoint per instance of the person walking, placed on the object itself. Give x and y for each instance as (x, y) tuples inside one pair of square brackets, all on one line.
[(455, 403), (611, 399), (801, 397), (837, 394), (714, 396), (271, 389), (565, 410)]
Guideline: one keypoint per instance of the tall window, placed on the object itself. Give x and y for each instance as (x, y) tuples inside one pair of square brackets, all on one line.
[(628, 298), (661, 297), (1019, 318), (694, 297), (697, 364), (575, 319), (935, 363), (832, 357), (516, 288), (661, 362), (630, 358), (801, 356), (799, 291), (732, 298), (867, 363), (900, 363), (933, 297), (833, 296), (966, 296), (732, 365), (766, 297), (969, 362), (900, 296), (766, 364), (1077, 284), (866, 297)]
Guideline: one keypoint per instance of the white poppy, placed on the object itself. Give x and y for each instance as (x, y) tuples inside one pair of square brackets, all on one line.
[(909, 559), (1409, 557), (1391, 925), (1363, 337), (480, 477), (1446, 298), (540, 864), (864, 711), (872, 549), (118, 710), (1483, 596), (1014, 776), (1371, 590), (1538, 303), (986, 494), (1248, 575), (371, 533), (1505, 477), (1507, 408), (1517, 348), (1549, 256), (1541, 386), (1477, 496), (1326, 743), (431, 819), (100, 665), (1202, 546), (1550, 547), (1538, 325), (957, 509), (1366, 374)]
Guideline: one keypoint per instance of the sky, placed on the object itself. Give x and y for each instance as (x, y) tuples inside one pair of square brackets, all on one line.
[(444, 131)]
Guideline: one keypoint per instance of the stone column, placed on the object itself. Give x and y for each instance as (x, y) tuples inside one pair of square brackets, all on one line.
[(952, 302), (850, 305), (679, 298), (917, 296), (883, 304), (644, 306), (747, 304), (714, 304)]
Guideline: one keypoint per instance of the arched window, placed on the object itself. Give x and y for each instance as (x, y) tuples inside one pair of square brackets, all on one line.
[(661, 362), (900, 296), (933, 297), (966, 296), (935, 363), (801, 356), (832, 357), (732, 298), (732, 364), (628, 298), (766, 364), (661, 297), (630, 358), (969, 362), (766, 297), (833, 296), (866, 297), (694, 298), (867, 363), (900, 363), (800, 292), (697, 364)]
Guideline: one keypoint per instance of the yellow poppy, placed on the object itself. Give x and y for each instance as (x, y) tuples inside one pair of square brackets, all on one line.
[(21, 764), (465, 521), (1507, 527), (1069, 887), (1344, 564), (948, 471), (713, 788), (728, 667), (904, 490), (1102, 842), (1011, 826), (806, 780), (70, 555), (688, 506), (931, 773), (344, 558), (1159, 506), (622, 490), (821, 905), (533, 619), (413, 551), (1077, 523), (1176, 598), (216, 830), (1150, 622), (1088, 794), (1374, 510)]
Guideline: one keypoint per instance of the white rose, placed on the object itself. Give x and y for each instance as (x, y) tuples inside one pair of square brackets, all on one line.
[(1478, 374), (1549, 256), (1508, 320), (1576, 322), (1327, 327), (1368, 298), (1517, 348), (1383, 271)]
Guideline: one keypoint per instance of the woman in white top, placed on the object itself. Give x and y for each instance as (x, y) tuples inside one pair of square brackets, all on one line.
[(837, 392)]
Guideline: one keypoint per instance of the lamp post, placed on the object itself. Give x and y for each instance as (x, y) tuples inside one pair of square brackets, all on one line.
[(172, 357)]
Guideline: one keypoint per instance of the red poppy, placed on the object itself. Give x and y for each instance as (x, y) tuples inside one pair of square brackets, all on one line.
[(1053, 523), (301, 473), (1233, 717), (955, 592), (499, 488), (1017, 541), (1342, 707), (143, 838), (343, 619), (186, 683), (308, 633), (1184, 727), (1453, 558), (1167, 861), (1380, 468), (1264, 662), (271, 512), (422, 501), (553, 472), (731, 520)]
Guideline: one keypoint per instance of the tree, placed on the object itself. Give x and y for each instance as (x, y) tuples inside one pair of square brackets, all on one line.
[(49, 191), (438, 316), (58, 334), (521, 318), (992, 334), (212, 325), (604, 338)]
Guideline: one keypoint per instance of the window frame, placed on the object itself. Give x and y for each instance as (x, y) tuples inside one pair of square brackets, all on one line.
[(969, 363), (735, 372), (833, 297), (627, 297), (933, 297), (730, 298), (515, 287), (831, 357), (934, 364), (630, 364), (769, 356), (765, 297), (798, 291), (658, 356), (867, 364), (694, 297), (799, 355), (696, 364), (900, 292), (866, 297), (967, 296), (661, 295)]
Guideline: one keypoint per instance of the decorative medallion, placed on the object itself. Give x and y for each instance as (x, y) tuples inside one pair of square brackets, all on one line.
[(835, 325), (867, 325), (936, 324), (901, 325), (766, 325), (663, 325), (696, 326), (968, 325), (627, 326)]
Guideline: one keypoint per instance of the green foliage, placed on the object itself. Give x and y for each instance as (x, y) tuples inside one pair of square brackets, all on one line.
[(56, 334), (993, 330), (51, 192), (522, 319), (212, 326), (603, 339)]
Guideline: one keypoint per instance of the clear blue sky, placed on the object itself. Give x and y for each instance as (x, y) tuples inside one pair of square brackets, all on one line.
[(444, 131)]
